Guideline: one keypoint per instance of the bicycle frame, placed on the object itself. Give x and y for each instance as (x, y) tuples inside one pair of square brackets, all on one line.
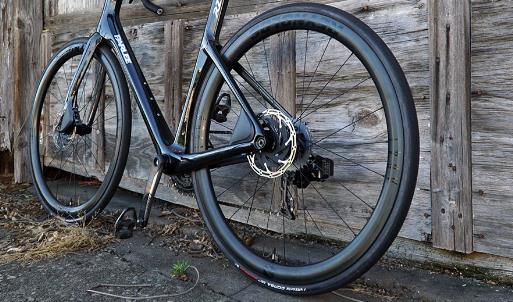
[(175, 147)]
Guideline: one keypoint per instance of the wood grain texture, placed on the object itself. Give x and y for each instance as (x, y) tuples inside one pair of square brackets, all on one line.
[(451, 172), (50, 8), (21, 27), (173, 96), (282, 57), (492, 129), (7, 40), (46, 54)]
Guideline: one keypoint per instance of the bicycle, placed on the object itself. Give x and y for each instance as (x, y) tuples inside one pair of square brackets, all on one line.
[(345, 150)]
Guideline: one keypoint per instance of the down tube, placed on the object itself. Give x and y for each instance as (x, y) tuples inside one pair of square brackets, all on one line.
[(154, 119)]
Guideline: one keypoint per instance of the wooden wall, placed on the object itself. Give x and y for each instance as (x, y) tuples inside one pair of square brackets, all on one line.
[(492, 127), (21, 24), (6, 89), (403, 25)]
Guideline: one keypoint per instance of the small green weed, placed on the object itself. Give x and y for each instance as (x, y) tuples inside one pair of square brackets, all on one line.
[(179, 270)]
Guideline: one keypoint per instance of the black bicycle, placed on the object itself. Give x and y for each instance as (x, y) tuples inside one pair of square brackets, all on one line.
[(299, 137)]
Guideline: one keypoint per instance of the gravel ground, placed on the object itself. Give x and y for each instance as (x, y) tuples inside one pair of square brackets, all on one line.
[(176, 234)]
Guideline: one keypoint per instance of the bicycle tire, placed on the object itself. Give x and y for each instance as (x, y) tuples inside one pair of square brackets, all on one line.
[(87, 211), (387, 72)]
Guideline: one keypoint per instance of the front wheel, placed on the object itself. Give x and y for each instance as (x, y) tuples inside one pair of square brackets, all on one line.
[(325, 199), (77, 171)]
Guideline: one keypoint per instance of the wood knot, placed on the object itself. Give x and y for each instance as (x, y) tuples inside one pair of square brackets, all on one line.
[(367, 118), (479, 236), (133, 34), (365, 8)]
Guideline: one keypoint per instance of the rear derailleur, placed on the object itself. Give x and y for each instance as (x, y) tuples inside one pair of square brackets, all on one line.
[(317, 169)]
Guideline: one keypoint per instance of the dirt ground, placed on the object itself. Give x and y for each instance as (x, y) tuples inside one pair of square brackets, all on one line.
[(42, 259)]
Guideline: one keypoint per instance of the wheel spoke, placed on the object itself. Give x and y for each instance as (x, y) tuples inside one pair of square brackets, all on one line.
[(325, 85), (247, 201), (350, 160), (333, 209), (268, 69), (251, 206), (236, 182), (335, 98), (349, 125), (315, 73), (304, 69), (356, 195)]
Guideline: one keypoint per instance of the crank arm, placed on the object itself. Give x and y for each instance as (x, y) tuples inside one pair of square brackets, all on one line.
[(128, 220), (151, 189)]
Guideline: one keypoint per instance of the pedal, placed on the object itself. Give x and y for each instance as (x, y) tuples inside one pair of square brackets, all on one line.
[(125, 224), (222, 108), (128, 220)]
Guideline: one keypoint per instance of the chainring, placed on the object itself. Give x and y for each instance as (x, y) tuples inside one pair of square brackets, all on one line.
[(183, 183)]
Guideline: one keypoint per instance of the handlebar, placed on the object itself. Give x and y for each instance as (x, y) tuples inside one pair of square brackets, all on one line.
[(152, 7)]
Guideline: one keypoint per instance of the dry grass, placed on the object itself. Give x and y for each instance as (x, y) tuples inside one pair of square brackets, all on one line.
[(32, 235), (185, 232)]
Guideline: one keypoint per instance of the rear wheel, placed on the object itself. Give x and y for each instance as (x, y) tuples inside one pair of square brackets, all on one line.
[(76, 172), (325, 199)]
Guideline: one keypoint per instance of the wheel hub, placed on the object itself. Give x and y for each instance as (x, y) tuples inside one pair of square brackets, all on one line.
[(63, 137), (62, 140), (304, 145)]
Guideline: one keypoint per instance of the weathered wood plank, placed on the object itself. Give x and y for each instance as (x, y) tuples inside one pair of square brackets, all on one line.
[(451, 166), (136, 14), (7, 37), (50, 9), (66, 7), (282, 63), (46, 54), (28, 26), (492, 129), (173, 96)]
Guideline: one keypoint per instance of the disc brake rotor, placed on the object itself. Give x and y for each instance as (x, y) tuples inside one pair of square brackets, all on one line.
[(275, 159)]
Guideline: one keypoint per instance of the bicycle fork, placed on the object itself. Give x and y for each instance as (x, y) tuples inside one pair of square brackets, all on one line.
[(70, 120)]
